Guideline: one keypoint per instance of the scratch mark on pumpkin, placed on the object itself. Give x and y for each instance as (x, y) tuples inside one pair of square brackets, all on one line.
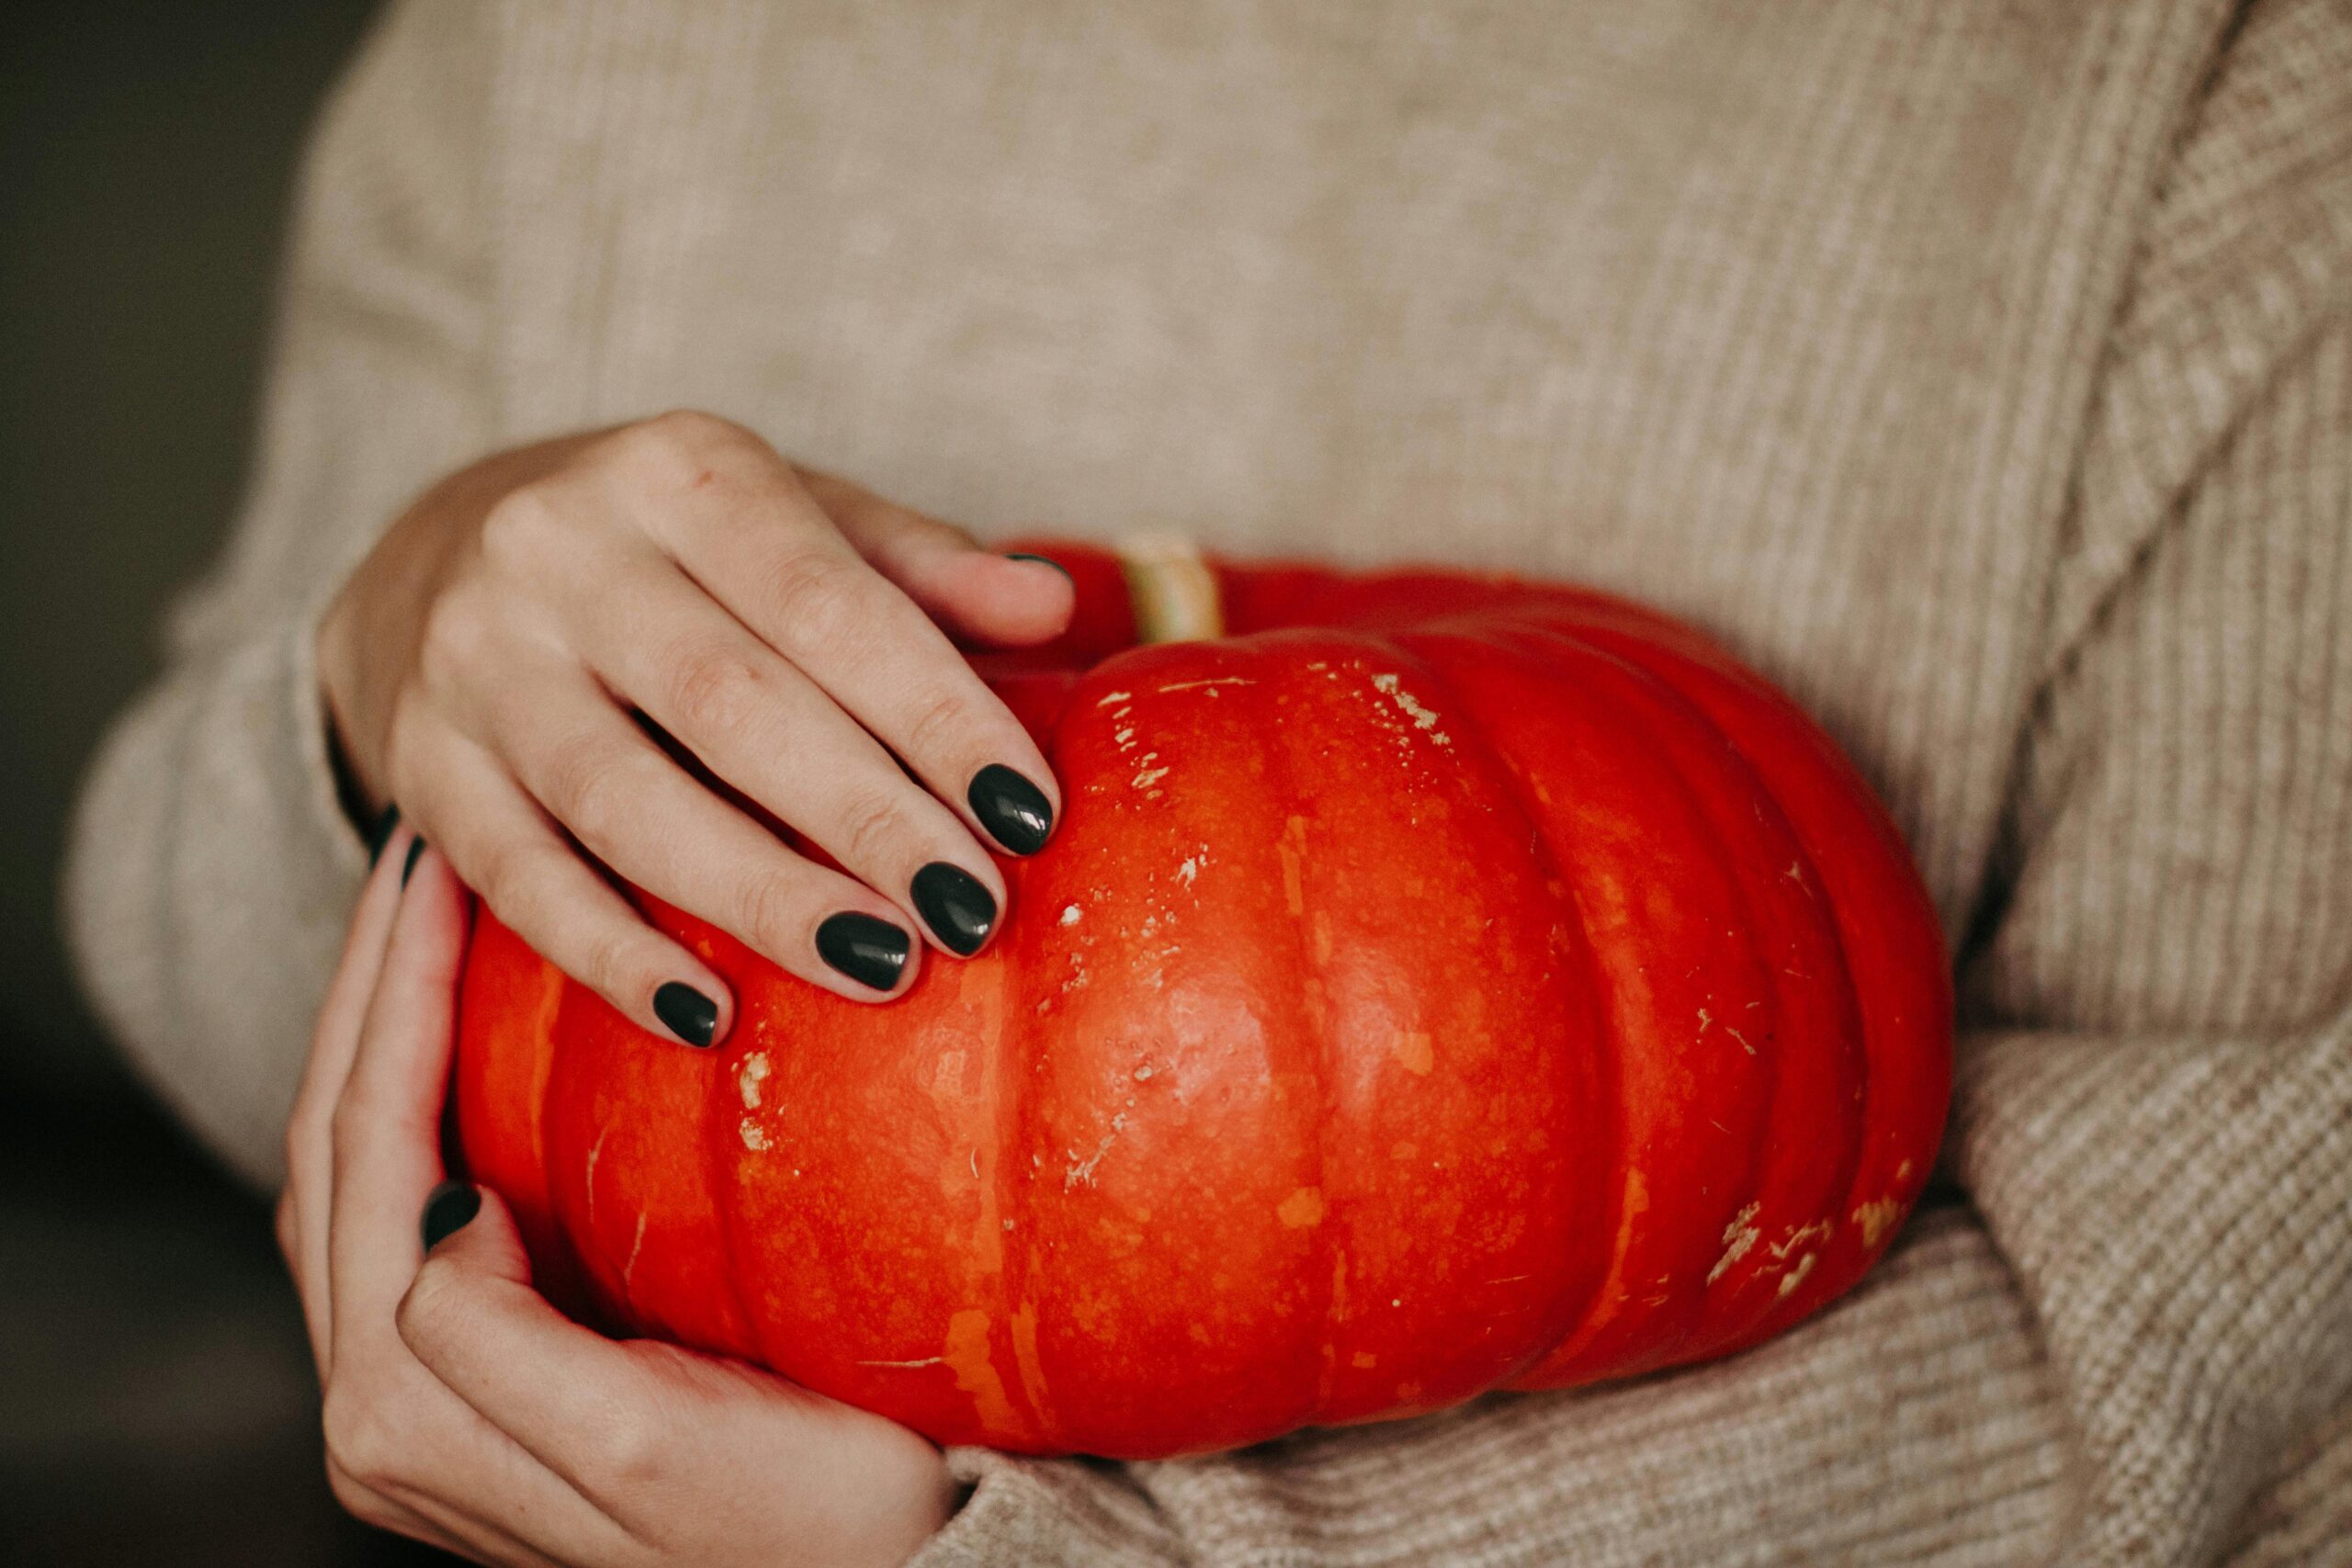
[(1188, 870), (628, 1269), (1114, 697), (1795, 1275), (924, 1361), (1739, 1237), (1876, 1219), (1150, 776), (755, 1137), (1081, 1172), (589, 1179), (1212, 683), (1800, 1237), (750, 1076), (1393, 688), (1069, 915), (1294, 842)]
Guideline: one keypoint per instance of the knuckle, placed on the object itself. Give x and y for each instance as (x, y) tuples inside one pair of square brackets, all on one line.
[(284, 1226), (432, 1309), (521, 883), (713, 689), (362, 1443), (815, 599), (675, 448), (587, 787), (355, 1498), (302, 1131), (873, 825), (455, 639), (771, 914), (625, 1450), (522, 526), (939, 721)]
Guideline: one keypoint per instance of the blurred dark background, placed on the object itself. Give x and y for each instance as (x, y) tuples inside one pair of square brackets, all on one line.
[(156, 1401)]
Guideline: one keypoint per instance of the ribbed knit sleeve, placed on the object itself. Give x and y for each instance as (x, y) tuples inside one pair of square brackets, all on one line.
[(2133, 1345), (212, 868)]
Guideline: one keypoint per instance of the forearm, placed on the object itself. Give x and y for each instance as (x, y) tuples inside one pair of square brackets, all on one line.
[(1753, 1459), (210, 871)]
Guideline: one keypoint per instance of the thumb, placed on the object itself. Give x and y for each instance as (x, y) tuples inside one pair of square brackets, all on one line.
[(472, 1228)]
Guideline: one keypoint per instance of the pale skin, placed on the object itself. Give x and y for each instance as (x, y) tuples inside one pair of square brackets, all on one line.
[(494, 668), (486, 665), (464, 1410)]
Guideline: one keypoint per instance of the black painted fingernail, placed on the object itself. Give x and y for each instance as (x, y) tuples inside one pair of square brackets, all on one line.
[(956, 907), (687, 1012), (1041, 561), (381, 833), (1014, 811), (415, 854), (448, 1211), (872, 953)]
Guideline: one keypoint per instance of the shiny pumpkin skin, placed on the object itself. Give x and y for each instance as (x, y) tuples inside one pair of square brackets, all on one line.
[(1437, 983)]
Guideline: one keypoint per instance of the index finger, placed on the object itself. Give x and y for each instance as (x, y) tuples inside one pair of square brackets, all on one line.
[(754, 538), (387, 1127)]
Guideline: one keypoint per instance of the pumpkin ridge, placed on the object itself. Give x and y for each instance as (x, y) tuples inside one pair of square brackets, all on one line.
[(1015, 1065), (1423, 648), (1738, 700), (1680, 729), (1284, 774)]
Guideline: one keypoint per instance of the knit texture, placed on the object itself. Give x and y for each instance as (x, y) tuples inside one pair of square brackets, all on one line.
[(1982, 372)]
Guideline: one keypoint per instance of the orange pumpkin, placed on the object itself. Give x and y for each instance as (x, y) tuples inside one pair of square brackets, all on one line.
[(1437, 983)]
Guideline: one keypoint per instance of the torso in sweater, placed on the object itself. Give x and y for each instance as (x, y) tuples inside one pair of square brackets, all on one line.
[(1787, 322)]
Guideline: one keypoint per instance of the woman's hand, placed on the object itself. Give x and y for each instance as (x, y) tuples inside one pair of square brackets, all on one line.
[(460, 1407), (485, 664)]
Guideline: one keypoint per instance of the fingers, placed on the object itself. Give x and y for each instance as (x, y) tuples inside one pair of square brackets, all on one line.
[(386, 1122), (507, 849), (765, 728), (638, 811), (750, 534), (310, 1152), (634, 1427), (995, 599), (403, 1452), (473, 1319)]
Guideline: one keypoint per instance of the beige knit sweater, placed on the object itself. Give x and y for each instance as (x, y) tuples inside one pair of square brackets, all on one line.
[(1981, 371)]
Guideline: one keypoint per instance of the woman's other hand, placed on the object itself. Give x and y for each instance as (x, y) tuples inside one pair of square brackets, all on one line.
[(485, 665), (462, 1408)]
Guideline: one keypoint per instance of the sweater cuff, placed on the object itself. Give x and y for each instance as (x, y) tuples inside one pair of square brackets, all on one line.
[(320, 786)]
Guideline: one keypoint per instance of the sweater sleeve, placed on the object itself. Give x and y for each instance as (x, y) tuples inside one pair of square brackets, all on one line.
[(2133, 1345), (210, 867)]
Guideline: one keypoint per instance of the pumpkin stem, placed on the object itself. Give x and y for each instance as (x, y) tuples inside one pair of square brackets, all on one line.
[(1172, 587)]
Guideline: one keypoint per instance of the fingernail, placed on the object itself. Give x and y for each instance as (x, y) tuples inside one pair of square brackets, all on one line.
[(381, 833), (448, 1211), (687, 1012), (1014, 811), (415, 854), (872, 953), (1041, 561), (956, 907)]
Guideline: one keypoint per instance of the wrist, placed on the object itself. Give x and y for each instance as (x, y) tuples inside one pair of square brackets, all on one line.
[(360, 802)]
